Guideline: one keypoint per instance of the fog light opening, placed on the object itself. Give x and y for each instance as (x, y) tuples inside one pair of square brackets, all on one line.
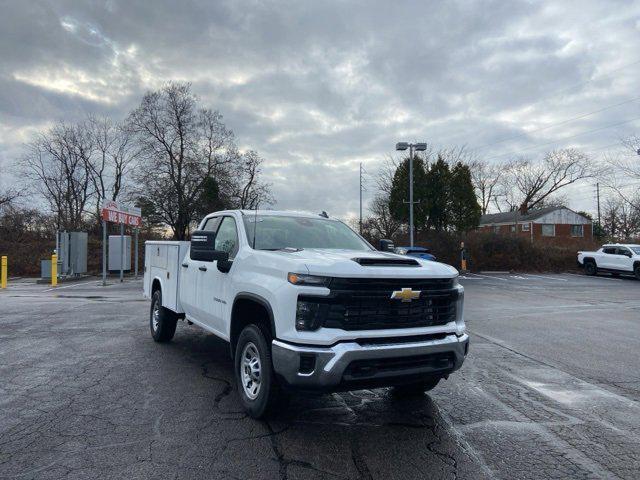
[(307, 364)]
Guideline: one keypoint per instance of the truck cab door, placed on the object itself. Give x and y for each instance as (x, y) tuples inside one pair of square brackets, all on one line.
[(192, 276), (623, 259), (213, 283), (608, 258)]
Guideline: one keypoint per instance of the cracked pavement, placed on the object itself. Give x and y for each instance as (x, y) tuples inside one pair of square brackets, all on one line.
[(550, 390)]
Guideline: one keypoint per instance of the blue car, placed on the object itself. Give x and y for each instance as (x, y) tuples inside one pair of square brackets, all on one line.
[(418, 252)]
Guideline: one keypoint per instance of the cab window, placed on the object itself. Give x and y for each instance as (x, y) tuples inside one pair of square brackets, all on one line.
[(227, 237), (610, 250), (211, 225)]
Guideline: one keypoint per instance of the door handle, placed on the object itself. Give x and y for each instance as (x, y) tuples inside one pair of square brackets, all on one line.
[(185, 265), (202, 268)]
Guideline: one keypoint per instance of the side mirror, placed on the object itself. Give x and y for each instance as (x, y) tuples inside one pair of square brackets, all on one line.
[(386, 245), (203, 248)]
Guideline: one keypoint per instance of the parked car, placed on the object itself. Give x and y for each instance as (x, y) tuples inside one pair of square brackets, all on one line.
[(418, 252), (304, 302), (613, 258)]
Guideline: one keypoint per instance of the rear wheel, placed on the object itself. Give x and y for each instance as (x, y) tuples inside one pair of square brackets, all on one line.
[(162, 321), (590, 268), (415, 389), (257, 385)]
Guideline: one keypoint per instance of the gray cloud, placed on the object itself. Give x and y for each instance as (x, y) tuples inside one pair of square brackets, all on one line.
[(317, 87)]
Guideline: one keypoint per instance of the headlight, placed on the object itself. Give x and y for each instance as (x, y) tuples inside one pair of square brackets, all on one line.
[(308, 280), (308, 316)]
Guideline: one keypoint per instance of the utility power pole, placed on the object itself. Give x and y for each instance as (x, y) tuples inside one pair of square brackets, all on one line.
[(420, 147), (360, 198), (598, 197)]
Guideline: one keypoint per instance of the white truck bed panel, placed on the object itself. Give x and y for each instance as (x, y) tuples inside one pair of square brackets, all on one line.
[(162, 262)]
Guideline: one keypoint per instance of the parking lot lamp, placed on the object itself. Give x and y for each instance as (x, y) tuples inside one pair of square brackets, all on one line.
[(420, 147)]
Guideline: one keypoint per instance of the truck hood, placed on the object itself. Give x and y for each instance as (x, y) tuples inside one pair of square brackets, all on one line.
[(341, 263)]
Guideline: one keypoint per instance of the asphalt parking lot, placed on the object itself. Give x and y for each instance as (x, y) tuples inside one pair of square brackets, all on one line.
[(551, 389)]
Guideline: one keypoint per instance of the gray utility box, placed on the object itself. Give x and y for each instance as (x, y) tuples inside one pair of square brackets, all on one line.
[(114, 253), (45, 268), (72, 254)]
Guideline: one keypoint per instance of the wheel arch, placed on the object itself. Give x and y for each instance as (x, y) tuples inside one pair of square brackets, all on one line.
[(156, 284), (246, 303)]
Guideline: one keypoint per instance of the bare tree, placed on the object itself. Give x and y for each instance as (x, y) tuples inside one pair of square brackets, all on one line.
[(182, 146), (114, 156), (622, 171), (248, 190), (531, 183), (381, 223), (57, 163), (486, 178), (8, 196)]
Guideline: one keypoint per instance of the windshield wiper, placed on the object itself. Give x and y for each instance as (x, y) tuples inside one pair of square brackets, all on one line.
[(285, 249)]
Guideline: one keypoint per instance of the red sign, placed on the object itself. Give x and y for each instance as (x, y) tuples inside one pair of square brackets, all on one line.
[(116, 213)]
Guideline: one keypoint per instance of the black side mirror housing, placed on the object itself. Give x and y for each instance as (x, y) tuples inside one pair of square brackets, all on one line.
[(203, 248), (386, 245)]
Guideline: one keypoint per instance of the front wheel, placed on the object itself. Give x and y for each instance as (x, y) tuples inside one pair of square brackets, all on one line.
[(162, 321), (590, 268), (257, 386), (636, 271)]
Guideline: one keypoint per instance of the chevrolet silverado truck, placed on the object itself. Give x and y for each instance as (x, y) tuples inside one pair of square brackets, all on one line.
[(613, 258), (306, 303)]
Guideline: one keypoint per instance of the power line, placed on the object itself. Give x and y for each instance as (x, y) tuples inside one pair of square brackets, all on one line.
[(571, 87), (563, 139), (564, 122)]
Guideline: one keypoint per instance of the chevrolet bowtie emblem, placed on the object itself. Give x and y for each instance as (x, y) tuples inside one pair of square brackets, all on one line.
[(406, 294)]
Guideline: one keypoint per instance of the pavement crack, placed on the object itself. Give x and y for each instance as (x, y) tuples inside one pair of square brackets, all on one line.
[(359, 461)]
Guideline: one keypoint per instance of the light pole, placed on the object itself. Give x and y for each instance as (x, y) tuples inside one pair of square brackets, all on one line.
[(419, 147)]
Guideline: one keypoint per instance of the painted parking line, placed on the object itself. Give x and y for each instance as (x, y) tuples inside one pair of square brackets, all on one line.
[(546, 277), (488, 276), (591, 278), (72, 285)]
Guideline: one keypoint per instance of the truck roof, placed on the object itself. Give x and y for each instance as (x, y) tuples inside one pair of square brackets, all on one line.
[(282, 213), (621, 245)]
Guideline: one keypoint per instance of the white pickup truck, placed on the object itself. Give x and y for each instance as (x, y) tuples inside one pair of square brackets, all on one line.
[(613, 258), (306, 303)]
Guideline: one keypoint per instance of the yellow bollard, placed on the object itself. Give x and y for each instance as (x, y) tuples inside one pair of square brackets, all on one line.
[(3, 272), (54, 270)]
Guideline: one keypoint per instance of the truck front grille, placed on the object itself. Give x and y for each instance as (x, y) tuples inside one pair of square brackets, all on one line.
[(366, 304)]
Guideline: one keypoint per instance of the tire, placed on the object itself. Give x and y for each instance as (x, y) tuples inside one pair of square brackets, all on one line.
[(162, 321), (636, 270), (590, 268), (415, 389), (258, 388)]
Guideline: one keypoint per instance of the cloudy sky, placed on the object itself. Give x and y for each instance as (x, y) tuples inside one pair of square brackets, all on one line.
[(318, 87)]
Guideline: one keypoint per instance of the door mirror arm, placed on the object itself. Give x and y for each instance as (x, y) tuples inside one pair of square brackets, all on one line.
[(224, 265)]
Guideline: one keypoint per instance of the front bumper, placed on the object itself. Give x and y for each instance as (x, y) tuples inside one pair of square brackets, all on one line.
[(347, 365)]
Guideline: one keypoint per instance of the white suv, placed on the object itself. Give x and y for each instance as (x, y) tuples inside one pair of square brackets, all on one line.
[(613, 258)]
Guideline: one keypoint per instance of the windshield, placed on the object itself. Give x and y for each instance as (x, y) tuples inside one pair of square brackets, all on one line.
[(636, 250), (278, 232)]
